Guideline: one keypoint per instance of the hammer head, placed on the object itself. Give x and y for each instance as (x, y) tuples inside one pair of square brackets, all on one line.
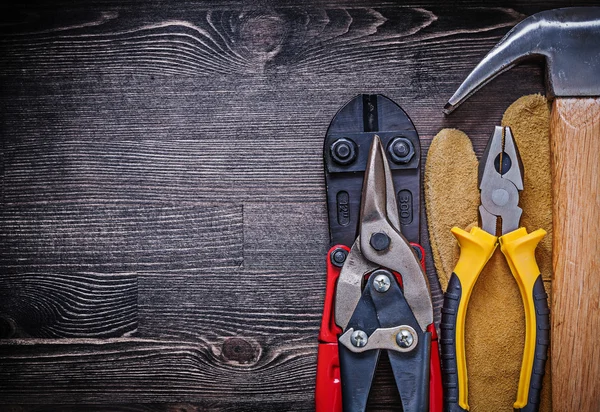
[(569, 40)]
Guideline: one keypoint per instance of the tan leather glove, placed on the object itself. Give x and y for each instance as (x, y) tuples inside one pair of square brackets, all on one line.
[(495, 322)]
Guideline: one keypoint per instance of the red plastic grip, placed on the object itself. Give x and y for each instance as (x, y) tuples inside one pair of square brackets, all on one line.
[(329, 330), (328, 393)]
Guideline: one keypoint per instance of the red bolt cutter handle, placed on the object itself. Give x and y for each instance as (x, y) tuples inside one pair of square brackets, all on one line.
[(328, 394)]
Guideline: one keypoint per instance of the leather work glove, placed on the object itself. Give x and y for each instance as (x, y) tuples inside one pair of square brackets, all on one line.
[(495, 321)]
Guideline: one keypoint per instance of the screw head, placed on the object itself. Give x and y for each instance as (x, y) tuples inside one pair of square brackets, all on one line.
[(401, 150), (379, 241), (343, 151), (404, 338), (359, 338), (338, 257), (381, 283)]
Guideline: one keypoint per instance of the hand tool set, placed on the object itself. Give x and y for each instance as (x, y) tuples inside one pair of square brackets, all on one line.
[(378, 296), (569, 41)]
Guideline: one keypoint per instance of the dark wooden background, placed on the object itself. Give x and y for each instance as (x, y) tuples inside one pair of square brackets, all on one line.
[(163, 220)]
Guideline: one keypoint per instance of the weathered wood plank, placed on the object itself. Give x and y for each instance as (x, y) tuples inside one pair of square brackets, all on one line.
[(106, 238), (204, 406), (195, 105), (76, 305), (135, 370), (286, 236), (272, 305), (193, 40)]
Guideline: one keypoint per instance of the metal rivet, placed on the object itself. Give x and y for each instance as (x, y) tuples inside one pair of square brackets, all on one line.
[(381, 283), (359, 338), (338, 257), (404, 338), (343, 151), (500, 197), (380, 241)]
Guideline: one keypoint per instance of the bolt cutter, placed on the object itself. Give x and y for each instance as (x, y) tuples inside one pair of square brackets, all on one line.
[(377, 299), (500, 180)]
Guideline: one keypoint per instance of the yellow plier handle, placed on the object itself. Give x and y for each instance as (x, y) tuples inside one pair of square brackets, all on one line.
[(477, 246), (519, 248)]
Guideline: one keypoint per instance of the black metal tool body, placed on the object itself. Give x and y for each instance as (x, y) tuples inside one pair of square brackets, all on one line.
[(345, 152)]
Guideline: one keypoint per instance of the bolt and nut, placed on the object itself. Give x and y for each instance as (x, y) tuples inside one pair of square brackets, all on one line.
[(379, 241), (406, 337), (343, 151), (401, 150), (338, 257), (381, 282)]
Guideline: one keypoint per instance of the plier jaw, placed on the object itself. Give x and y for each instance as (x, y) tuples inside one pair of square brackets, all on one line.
[(500, 181)]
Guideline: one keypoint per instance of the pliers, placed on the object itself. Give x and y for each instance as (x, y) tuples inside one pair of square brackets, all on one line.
[(500, 181), (381, 302)]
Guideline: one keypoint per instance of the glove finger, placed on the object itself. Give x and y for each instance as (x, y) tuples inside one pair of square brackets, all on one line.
[(451, 196)]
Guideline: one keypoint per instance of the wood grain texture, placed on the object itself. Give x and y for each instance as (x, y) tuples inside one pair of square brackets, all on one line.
[(575, 136), (75, 305), (129, 136), (132, 370), (182, 145), (204, 406), (276, 236), (269, 305), (109, 238)]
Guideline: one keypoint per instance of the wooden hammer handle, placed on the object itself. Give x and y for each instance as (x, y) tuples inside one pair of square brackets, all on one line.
[(575, 136)]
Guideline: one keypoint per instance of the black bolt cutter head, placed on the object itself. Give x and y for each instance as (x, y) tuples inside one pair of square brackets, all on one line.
[(346, 152)]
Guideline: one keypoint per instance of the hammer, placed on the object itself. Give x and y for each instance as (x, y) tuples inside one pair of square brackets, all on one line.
[(569, 40)]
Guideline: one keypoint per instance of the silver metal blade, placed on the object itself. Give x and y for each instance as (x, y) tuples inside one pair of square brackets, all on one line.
[(379, 214)]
